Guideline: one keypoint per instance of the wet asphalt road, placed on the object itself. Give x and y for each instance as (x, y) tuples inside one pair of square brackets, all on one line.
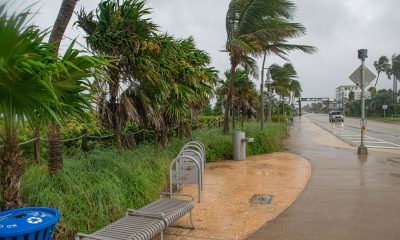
[(347, 197), (378, 134)]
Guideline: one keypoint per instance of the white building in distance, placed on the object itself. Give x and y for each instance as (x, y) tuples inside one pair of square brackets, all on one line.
[(342, 94)]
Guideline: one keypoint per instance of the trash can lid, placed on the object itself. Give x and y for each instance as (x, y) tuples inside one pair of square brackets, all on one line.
[(26, 220)]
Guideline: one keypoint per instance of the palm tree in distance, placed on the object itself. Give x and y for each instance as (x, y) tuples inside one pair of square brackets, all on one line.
[(254, 28), (396, 77), (381, 66), (284, 81)]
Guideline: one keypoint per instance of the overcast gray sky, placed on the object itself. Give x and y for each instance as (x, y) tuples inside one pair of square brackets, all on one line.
[(338, 28)]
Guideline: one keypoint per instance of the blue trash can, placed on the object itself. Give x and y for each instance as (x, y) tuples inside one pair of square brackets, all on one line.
[(28, 224)]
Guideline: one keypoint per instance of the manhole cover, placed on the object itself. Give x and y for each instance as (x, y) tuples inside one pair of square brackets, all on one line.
[(261, 199)]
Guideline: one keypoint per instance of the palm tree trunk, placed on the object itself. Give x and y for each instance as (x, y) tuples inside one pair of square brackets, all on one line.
[(36, 145), (11, 171), (233, 118), (54, 150), (61, 23), (395, 93), (228, 102), (377, 78), (269, 106), (262, 93), (114, 106)]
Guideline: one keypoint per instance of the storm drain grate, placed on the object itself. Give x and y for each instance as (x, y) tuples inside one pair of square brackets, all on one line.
[(261, 199)]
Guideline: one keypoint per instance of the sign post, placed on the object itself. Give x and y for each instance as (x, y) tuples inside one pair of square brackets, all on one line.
[(384, 107), (362, 77), (362, 149)]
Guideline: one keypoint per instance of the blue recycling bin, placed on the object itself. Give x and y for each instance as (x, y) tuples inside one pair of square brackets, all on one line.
[(28, 223)]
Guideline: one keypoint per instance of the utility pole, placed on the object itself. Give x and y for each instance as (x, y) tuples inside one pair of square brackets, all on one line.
[(362, 55)]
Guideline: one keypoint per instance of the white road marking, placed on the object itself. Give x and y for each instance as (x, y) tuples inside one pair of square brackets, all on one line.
[(350, 136)]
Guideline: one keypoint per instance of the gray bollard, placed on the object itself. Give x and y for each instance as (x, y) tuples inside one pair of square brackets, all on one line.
[(239, 141), (239, 147)]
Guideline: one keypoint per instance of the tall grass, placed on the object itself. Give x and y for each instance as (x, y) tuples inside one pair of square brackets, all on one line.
[(95, 189)]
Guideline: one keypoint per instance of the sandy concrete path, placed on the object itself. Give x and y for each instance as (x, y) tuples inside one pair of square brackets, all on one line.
[(226, 211)]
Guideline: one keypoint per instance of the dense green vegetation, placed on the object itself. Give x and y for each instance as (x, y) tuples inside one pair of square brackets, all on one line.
[(95, 188), (374, 105)]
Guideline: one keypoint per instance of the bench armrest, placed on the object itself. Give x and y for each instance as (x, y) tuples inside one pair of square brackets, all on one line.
[(176, 194)]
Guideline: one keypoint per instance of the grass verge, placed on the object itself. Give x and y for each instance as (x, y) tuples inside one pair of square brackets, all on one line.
[(95, 189)]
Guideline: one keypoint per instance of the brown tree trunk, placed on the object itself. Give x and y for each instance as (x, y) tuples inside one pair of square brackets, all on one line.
[(115, 105), (54, 150), (143, 135), (36, 145), (164, 137), (269, 106), (12, 168), (61, 23), (228, 102), (84, 146), (233, 118)]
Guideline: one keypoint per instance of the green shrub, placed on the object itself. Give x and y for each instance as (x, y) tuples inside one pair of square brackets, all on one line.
[(279, 118), (95, 188)]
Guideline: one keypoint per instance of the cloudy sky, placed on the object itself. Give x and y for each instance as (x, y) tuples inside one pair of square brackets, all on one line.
[(338, 28)]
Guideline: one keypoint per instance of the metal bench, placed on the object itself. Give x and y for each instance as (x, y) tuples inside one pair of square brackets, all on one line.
[(128, 228), (144, 223), (167, 209)]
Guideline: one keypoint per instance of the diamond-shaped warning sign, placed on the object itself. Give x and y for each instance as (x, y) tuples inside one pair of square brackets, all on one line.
[(356, 76)]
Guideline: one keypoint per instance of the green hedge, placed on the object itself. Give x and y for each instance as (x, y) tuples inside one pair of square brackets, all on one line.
[(96, 188), (279, 118)]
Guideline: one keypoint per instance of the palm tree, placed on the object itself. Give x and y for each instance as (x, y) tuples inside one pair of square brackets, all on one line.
[(122, 31), (392, 70), (245, 96), (295, 88), (256, 27), (183, 90), (284, 80), (381, 66), (26, 91), (396, 76), (54, 151)]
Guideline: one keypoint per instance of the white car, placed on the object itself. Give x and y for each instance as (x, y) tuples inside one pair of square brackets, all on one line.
[(336, 116)]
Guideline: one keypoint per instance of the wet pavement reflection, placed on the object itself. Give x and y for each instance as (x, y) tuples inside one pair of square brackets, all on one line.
[(347, 197)]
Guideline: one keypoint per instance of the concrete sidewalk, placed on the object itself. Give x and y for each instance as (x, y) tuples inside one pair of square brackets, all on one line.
[(226, 211), (347, 197)]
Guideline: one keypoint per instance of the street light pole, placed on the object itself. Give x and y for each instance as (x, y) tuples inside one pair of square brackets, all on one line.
[(362, 55)]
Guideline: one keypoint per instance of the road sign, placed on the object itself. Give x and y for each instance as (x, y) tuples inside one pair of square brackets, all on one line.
[(356, 76), (318, 99), (363, 122), (358, 95), (384, 107)]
